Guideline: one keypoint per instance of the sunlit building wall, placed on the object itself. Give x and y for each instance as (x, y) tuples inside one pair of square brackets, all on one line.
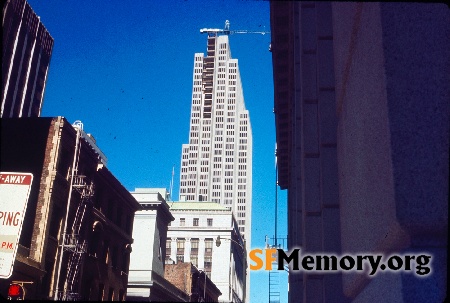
[(192, 236), (216, 164)]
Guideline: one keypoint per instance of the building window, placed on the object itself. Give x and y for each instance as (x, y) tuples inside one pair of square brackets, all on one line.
[(114, 259), (119, 218), (121, 295), (208, 265), (111, 210), (195, 221), (180, 250), (194, 246), (111, 294), (101, 290), (194, 260), (208, 247), (210, 222), (168, 248), (182, 221), (125, 262), (105, 254)]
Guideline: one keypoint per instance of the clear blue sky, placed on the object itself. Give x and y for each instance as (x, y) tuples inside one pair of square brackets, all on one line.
[(124, 68)]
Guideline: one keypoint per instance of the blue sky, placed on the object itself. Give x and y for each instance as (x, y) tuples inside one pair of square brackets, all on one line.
[(125, 70)]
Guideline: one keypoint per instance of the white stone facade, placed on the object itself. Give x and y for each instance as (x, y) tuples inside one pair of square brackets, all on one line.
[(192, 238), (147, 257)]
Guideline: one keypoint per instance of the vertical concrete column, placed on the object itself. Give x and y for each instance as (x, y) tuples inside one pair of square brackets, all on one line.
[(201, 253), (310, 154), (173, 249), (187, 250), (327, 126), (295, 196)]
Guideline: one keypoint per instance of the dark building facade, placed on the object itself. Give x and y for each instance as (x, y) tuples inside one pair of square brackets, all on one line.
[(98, 234), (362, 126), (26, 52)]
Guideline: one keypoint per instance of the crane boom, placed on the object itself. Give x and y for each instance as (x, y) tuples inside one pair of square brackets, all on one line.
[(226, 30)]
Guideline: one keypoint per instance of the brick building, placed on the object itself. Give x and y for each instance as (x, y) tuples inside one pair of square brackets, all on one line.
[(97, 242), (361, 108), (192, 281)]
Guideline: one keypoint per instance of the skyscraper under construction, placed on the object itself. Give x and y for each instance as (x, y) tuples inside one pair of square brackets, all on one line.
[(216, 164)]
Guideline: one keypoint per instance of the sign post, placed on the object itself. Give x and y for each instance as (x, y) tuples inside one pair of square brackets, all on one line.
[(14, 193)]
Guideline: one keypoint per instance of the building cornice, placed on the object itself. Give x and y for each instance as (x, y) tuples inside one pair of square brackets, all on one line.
[(282, 23)]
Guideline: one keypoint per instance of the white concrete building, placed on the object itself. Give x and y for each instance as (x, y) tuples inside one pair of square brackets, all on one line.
[(216, 165), (192, 238), (146, 280)]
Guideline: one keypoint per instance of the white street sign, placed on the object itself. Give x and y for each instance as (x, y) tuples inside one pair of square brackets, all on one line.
[(14, 193)]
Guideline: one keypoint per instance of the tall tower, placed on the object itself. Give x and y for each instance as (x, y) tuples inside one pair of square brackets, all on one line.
[(216, 165), (26, 53)]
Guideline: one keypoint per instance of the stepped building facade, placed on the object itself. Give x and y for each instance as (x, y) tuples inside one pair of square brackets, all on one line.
[(216, 164)]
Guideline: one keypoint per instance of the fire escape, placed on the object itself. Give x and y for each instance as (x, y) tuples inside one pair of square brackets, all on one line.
[(274, 274), (274, 285), (74, 243)]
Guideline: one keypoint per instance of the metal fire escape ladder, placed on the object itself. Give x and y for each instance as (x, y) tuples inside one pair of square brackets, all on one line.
[(72, 243), (76, 246), (274, 284), (274, 274)]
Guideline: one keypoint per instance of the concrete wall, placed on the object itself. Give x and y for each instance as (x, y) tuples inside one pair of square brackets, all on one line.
[(391, 64), (142, 256), (149, 234), (314, 209), (361, 109)]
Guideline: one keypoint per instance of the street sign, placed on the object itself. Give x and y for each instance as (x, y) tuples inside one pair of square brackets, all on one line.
[(14, 193)]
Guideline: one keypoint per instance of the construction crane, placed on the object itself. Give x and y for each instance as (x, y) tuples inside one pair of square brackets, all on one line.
[(226, 30)]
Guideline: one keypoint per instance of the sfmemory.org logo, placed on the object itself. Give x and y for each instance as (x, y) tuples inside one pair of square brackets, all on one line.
[(420, 264)]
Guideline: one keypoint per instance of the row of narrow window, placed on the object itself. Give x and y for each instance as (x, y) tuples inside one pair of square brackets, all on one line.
[(195, 222), (207, 265)]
